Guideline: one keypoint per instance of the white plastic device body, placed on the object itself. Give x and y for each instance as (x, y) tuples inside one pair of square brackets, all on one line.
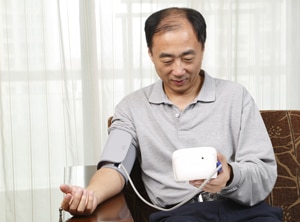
[(194, 163)]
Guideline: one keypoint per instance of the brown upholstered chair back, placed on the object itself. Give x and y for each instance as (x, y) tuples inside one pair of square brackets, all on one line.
[(284, 130)]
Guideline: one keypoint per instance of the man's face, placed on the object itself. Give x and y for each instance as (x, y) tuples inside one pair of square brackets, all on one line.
[(177, 56)]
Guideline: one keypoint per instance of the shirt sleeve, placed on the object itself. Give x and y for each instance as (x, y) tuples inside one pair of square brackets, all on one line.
[(254, 166)]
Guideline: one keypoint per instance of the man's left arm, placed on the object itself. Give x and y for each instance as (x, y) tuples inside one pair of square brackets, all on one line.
[(254, 170)]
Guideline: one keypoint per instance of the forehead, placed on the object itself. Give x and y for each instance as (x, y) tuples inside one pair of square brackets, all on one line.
[(179, 35), (171, 23)]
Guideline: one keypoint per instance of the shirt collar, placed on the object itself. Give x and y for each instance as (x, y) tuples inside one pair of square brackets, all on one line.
[(206, 94), (208, 90)]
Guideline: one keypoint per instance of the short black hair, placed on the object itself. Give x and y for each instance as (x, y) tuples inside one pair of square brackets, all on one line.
[(153, 23)]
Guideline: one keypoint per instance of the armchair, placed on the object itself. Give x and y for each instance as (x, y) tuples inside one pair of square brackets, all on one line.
[(283, 127)]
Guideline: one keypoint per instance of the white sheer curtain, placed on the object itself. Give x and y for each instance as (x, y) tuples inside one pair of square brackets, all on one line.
[(65, 64)]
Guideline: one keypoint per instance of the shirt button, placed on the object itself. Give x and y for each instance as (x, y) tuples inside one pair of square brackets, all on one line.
[(177, 115)]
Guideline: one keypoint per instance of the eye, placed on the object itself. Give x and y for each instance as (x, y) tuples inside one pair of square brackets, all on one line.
[(187, 59), (167, 61)]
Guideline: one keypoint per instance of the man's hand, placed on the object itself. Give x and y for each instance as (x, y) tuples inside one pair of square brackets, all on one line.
[(104, 184), (217, 184), (78, 201)]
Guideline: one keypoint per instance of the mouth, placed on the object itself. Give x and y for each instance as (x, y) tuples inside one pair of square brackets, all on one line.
[(179, 82)]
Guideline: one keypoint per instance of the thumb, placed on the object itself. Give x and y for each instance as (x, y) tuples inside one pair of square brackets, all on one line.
[(66, 188), (222, 159)]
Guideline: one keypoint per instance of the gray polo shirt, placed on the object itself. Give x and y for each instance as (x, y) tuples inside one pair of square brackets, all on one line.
[(223, 116)]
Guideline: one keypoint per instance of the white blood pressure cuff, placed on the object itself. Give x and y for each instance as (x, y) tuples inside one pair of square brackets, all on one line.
[(118, 149)]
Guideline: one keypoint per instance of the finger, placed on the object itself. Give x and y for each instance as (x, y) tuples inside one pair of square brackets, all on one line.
[(90, 202), (221, 158), (66, 188), (83, 202), (196, 183), (82, 207), (66, 202), (214, 185), (223, 161), (76, 200), (210, 189)]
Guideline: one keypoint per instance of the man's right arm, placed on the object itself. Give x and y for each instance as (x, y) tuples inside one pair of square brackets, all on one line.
[(108, 180)]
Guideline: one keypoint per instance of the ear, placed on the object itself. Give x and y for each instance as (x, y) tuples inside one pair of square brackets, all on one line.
[(150, 54)]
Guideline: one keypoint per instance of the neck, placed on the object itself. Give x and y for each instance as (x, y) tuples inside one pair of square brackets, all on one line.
[(182, 100)]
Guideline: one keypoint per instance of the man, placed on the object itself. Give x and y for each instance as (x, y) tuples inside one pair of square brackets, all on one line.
[(185, 108)]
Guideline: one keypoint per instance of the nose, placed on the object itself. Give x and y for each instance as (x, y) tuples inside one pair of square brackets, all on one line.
[(178, 68)]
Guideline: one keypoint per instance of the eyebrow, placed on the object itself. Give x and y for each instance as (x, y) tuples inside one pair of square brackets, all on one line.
[(188, 52)]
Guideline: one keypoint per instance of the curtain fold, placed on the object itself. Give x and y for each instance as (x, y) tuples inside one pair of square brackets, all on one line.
[(65, 64)]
